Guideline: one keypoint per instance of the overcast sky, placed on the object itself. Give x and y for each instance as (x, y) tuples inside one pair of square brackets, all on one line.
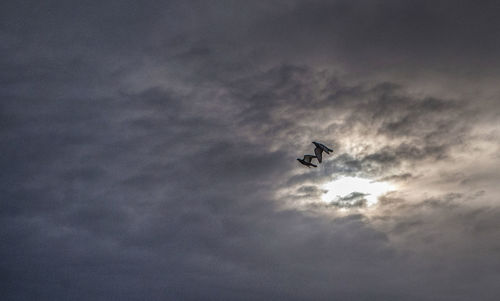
[(148, 150)]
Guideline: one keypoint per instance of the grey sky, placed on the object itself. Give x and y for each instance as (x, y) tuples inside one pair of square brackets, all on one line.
[(148, 150)]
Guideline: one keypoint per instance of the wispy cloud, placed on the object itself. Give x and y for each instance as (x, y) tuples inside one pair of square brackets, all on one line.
[(148, 150)]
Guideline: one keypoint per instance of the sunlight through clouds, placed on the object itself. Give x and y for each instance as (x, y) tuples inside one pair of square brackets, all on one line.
[(346, 189)]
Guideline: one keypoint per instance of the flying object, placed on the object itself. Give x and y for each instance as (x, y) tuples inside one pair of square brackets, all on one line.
[(307, 160), (320, 148)]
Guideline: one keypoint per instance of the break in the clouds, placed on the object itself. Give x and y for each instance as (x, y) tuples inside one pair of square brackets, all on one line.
[(148, 150)]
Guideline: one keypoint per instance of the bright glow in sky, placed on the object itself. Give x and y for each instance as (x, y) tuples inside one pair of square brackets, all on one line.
[(346, 185)]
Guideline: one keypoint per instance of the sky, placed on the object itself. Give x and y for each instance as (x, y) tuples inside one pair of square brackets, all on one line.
[(148, 150)]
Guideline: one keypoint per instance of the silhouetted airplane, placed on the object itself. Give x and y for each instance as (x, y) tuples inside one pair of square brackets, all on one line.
[(307, 160), (320, 148)]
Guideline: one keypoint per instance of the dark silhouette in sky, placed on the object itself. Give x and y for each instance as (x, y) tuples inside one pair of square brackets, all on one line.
[(320, 148), (307, 160)]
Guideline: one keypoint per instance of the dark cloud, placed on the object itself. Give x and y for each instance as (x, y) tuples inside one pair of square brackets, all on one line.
[(354, 199), (395, 35), (148, 150), (399, 177)]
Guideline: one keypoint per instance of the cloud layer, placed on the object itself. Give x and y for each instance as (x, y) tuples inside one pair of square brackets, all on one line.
[(148, 150)]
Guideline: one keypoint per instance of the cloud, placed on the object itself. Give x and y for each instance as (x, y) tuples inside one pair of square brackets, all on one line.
[(148, 151), (399, 177), (354, 199)]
